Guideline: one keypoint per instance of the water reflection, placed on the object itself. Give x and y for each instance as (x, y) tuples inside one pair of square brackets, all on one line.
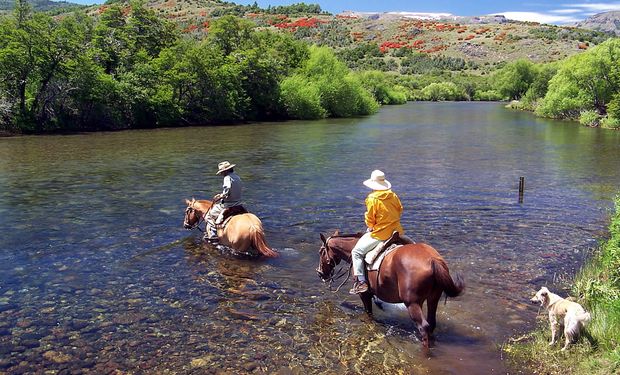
[(96, 273)]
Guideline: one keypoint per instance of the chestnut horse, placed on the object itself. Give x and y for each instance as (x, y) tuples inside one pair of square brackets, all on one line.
[(411, 274), (243, 233)]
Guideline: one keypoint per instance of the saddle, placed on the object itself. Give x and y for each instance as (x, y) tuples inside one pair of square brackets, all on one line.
[(375, 256), (229, 212)]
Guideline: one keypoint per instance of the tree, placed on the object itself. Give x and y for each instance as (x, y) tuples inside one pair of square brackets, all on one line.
[(230, 33), (514, 79), (111, 39), (36, 56), (148, 31), (584, 81)]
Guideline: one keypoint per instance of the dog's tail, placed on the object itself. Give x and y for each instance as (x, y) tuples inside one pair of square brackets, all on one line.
[(584, 317), (452, 286)]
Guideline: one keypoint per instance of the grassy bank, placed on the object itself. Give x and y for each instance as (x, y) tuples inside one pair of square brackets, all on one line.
[(597, 287)]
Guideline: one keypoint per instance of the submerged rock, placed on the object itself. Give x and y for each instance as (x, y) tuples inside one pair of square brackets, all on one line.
[(57, 357)]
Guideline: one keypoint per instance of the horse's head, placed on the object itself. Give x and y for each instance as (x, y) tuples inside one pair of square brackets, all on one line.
[(328, 260), (192, 215)]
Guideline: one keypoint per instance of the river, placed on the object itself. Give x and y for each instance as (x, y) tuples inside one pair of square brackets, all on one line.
[(97, 274)]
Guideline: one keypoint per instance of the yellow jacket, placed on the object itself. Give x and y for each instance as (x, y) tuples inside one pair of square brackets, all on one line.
[(383, 210)]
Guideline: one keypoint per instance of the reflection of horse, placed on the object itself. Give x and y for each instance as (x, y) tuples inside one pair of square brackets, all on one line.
[(243, 233), (411, 274)]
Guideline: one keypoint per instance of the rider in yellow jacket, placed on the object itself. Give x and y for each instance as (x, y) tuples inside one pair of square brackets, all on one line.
[(382, 217)]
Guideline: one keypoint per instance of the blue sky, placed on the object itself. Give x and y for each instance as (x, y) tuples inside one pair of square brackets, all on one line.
[(545, 11)]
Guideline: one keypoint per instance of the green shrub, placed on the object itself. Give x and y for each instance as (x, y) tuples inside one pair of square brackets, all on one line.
[(342, 94), (613, 108), (488, 95), (439, 91), (301, 98), (381, 87), (610, 122), (589, 118)]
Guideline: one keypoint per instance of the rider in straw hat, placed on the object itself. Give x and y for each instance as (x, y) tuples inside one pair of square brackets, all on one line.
[(229, 197), (383, 210)]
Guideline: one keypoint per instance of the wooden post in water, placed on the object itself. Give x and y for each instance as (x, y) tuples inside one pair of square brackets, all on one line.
[(521, 188)]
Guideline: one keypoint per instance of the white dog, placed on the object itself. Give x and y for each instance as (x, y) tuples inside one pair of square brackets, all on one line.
[(562, 312)]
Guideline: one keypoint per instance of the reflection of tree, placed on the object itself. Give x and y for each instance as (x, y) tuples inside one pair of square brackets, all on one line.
[(588, 156)]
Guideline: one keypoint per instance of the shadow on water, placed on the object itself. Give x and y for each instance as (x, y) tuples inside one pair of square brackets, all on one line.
[(96, 274)]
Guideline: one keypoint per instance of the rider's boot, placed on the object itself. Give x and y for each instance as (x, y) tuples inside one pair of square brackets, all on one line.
[(211, 235)]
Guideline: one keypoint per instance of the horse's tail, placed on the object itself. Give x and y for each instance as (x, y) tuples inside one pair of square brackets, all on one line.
[(259, 243), (452, 286)]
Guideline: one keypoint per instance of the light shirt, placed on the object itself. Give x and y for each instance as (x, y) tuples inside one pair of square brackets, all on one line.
[(232, 190)]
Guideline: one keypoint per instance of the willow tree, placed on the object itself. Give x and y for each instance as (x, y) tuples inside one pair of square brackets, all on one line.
[(583, 82)]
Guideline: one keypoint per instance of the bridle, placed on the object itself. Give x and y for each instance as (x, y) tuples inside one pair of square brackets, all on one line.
[(201, 218), (337, 275)]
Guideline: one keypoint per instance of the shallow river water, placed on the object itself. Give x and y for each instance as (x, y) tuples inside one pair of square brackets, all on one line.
[(98, 276)]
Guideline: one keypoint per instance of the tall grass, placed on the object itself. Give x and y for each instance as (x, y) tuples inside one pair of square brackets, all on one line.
[(597, 286)]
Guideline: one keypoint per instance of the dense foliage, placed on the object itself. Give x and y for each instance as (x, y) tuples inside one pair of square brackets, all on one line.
[(325, 87), (129, 68), (588, 81), (584, 87)]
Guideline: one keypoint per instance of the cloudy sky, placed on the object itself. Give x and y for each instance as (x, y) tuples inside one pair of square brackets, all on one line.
[(545, 11)]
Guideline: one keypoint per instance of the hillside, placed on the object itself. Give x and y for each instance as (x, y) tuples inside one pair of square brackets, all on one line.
[(607, 22), (387, 41), (477, 43), (41, 5)]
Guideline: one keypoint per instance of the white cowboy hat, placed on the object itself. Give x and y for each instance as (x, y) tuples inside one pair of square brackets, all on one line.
[(224, 166), (377, 181)]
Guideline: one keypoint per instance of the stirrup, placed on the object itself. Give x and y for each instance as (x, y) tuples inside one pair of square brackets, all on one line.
[(359, 287)]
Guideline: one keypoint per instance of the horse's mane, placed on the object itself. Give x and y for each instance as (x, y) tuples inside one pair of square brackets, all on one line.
[(355, 235), (203, 203)]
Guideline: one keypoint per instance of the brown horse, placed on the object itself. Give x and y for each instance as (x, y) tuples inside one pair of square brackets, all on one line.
[(243, 233), (411, 274)]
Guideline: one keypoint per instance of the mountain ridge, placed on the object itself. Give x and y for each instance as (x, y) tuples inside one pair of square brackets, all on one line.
[(606, 22)]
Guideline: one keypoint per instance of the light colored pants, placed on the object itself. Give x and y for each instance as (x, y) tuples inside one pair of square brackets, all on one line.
[(211, 219), (362, 247)]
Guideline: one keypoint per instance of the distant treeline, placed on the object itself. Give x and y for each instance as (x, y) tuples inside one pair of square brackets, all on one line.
[(241, 10), (132, 69)]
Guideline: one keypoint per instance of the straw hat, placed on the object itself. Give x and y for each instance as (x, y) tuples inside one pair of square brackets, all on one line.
[(224, 166), (377, 181)]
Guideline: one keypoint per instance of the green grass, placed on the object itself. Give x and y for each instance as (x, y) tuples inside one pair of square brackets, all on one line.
[(598, 351)]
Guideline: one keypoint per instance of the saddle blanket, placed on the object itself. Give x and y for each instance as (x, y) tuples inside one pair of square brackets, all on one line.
[(373, 259)]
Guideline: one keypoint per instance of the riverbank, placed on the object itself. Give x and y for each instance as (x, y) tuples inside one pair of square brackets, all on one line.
[(597, 286)]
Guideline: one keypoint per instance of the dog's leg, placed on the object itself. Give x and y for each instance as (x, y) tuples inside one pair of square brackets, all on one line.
[(554, 328), (571, 330)]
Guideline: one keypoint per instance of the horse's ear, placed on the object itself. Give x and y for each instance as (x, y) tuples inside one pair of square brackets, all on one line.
[(188, 202), (323, 238), (337, 232)]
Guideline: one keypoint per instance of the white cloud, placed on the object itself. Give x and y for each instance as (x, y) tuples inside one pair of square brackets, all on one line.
[(566, 11), (539, 17), (596, 7)]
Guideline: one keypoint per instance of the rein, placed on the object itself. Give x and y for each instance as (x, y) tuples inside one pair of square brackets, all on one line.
[(340, 273)]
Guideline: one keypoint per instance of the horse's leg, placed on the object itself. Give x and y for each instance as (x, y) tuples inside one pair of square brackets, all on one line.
[(367, 301), (415, 312), (431, 306)]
